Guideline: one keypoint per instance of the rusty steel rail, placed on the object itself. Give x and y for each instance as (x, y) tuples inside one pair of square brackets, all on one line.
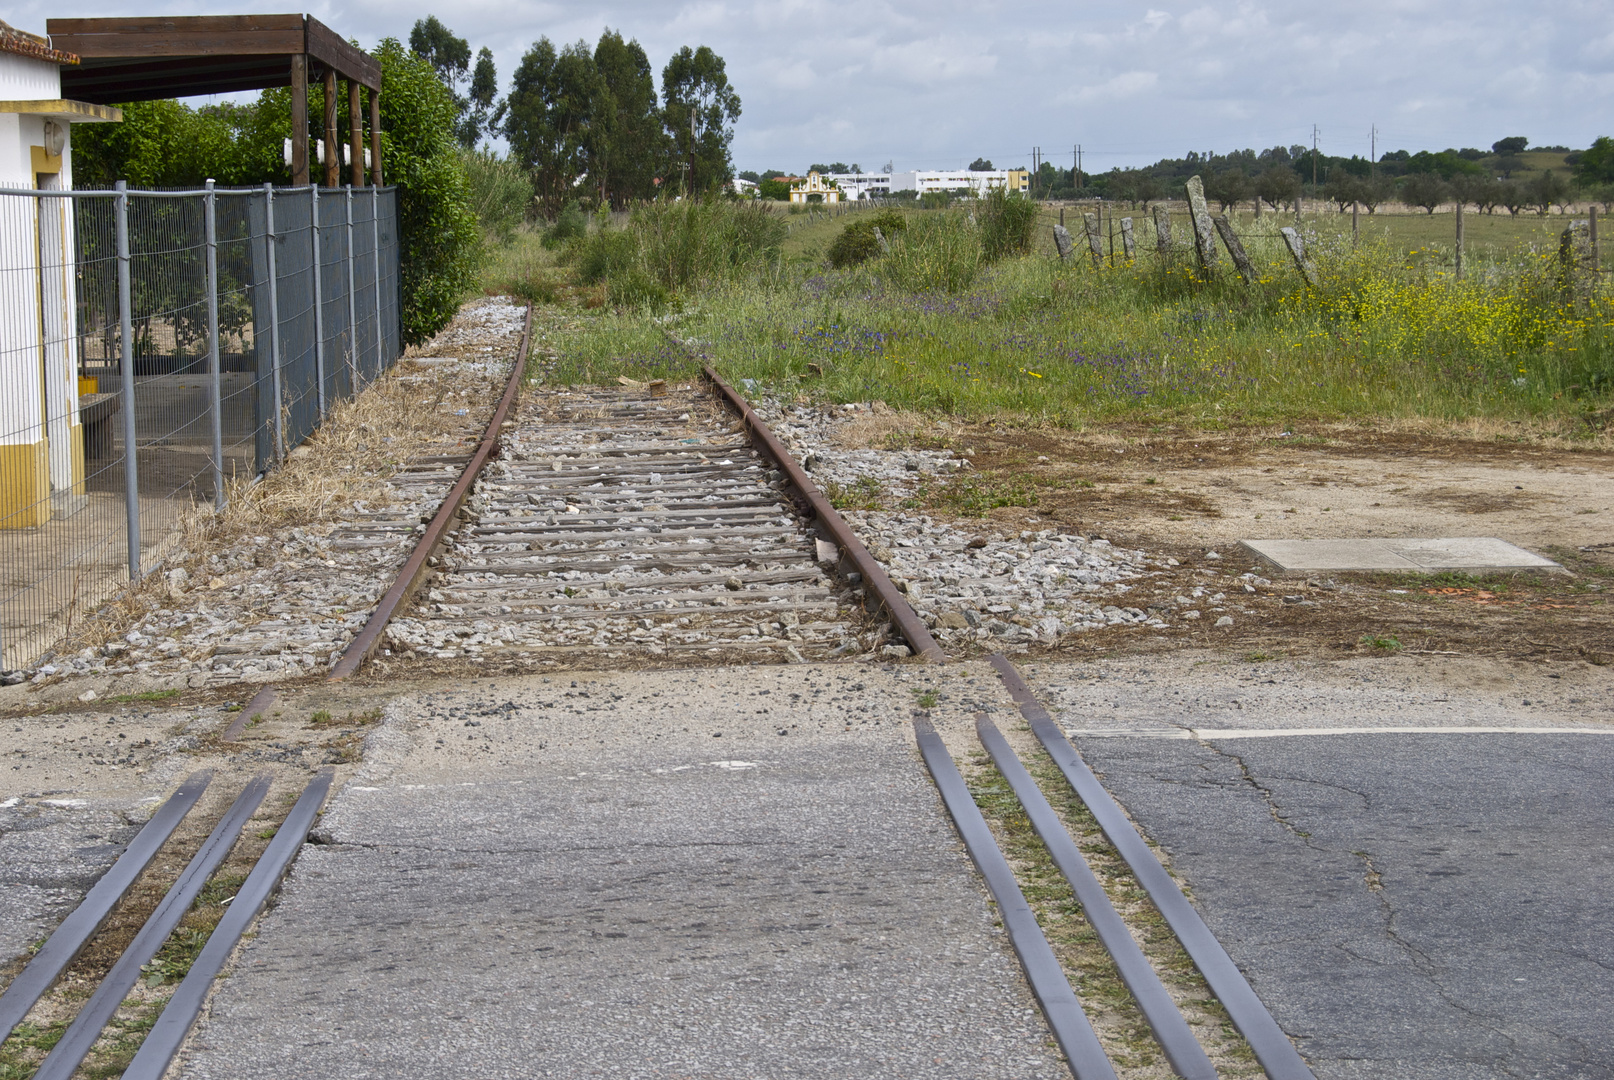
[(1272, 1048), (876, 581), (369, 639)]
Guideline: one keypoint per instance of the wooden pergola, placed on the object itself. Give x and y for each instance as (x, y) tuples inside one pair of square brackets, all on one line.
[(145, 58)]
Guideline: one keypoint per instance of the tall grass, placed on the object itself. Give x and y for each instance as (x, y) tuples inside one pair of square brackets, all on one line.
[(933, 326), (500, 192), (669, 248)]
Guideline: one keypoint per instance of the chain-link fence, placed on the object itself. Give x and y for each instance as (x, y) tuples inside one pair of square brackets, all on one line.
[(209, 330)]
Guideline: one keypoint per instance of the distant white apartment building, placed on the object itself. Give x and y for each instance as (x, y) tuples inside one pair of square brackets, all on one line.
[(877, 185)]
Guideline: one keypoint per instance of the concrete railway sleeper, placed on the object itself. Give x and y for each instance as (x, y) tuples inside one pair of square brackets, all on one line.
[(631, 521)]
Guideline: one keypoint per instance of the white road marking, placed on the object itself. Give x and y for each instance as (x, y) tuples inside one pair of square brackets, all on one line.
[(1272, 733)]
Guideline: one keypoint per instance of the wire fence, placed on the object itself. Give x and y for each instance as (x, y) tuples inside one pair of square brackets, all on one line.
[(208, 330)]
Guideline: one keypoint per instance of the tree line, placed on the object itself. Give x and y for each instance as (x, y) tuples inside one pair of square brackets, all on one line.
[(588, 124), (1279, 175)]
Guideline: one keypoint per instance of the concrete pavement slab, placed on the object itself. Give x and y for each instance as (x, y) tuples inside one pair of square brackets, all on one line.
[(1472, 554)]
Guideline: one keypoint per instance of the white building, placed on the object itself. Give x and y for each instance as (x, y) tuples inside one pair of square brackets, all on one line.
[(41, 439), (879, 185), (863, 185)]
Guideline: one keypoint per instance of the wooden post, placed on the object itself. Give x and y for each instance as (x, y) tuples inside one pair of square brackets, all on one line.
[(1162, 232), (1457, 259), (1355, 224), (1230, 238), (1095, 239), (375, 139), (1204, 231), (1297, 250), (333, 162), (355, 135), (1129, 248), (1062, 240), (299, 119)]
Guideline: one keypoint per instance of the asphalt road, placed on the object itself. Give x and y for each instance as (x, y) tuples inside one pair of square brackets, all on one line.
[(1417, 907), (741, 873)]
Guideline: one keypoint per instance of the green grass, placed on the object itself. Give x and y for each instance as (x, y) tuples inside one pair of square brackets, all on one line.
[(1388, 332), (144, 695)]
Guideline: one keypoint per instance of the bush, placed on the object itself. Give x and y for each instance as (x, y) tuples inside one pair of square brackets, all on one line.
[(671, 246), (935, 200), (439, 243), (939, 253), (500, 192), (857, 244), (570, 224), (1007, 220)]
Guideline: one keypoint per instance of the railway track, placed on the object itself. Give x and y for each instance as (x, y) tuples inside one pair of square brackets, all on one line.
[(618, 521), (54, 958), (633, 524)]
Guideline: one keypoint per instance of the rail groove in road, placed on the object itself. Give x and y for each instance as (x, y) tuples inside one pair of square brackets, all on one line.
[(80, 927)]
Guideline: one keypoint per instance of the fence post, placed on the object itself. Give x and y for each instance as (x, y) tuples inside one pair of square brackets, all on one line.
[(1204, 231), (1062, 240), (131, 464), (1597, 252), (1459, 257), (1241, 261), (1129, 247), (1095, 240), (319, 292), (210, 234), (375, 254), (1297, 249), (1162, 231), (352, 303), (1355, 209), (277, 422)]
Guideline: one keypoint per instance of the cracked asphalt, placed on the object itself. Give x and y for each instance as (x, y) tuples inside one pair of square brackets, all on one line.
[(740, 873), (1424, 906)]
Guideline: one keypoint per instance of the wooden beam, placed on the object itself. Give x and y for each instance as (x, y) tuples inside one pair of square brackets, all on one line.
[(333, 160), (328, 47), (299, 119), (217, 36), (375, 139), (355, 124)]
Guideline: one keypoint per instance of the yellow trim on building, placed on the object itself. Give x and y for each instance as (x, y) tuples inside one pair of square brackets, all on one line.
[(75, 436), (44, 161), (71, 112), (25, 484)]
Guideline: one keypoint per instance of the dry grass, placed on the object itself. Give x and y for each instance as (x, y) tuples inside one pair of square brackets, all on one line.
[(406, 415)]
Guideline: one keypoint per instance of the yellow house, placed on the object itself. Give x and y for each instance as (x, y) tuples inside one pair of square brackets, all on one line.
[(41, 438), (815, 189)]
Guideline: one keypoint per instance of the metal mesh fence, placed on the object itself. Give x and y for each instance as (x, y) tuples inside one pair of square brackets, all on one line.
[(209, 330)]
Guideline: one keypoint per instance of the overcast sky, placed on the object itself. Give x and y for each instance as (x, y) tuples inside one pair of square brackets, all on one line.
[(939, 83)]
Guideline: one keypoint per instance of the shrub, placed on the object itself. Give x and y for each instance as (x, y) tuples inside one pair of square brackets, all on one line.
[(939, 253), (500, 192), (570, 224), (1007, 220), (671, 246), (857, 243)]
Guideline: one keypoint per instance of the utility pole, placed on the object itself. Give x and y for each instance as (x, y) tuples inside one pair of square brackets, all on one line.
[(1314, 161), (1373, 155), (689, 184), (1078, 166)]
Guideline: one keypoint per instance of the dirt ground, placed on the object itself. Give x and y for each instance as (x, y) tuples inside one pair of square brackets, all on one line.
[(1188, 494)]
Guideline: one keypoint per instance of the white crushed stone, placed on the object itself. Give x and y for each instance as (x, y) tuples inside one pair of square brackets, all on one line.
[(969, 582)]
